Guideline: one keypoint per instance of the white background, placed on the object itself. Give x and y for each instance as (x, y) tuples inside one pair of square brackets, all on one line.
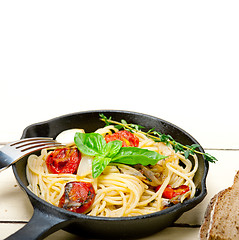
[(177, 60)]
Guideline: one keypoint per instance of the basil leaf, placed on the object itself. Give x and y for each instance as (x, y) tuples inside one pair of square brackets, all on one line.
[(94, 144), (90, 144), (112, 148), (134, 155), (98, 165)]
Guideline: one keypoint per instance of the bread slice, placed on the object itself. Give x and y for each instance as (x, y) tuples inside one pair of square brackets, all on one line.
[(221, 221)]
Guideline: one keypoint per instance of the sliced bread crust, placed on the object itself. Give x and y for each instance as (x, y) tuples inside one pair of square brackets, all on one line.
[(207, 218), (221, 221)]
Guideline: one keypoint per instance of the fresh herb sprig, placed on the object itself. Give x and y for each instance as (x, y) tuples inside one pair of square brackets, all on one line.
[(160, 137)]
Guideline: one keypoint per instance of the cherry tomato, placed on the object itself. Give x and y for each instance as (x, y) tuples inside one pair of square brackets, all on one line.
[(128, 139), (170, 192), (78, 197), (63, 160)]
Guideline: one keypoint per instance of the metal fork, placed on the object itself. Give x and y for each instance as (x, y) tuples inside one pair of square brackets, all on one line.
[(12, 152)]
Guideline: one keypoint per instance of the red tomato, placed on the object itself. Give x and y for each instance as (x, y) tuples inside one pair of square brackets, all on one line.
[(63, 160), (78, 197), (128, 139), (170, 192)]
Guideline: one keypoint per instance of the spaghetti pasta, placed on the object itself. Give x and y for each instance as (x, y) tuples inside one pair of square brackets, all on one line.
[(121, 190)]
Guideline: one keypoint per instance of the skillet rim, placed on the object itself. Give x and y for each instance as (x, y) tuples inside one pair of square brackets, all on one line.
[(178, 208)]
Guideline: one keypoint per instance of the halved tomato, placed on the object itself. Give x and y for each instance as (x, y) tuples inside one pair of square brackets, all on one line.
[(78, 197), (128, 139), (63, 160)]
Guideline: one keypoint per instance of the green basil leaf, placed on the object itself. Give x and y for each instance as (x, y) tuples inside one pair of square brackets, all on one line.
[(98, 165), (94, 144), (134, 155), (90, 144), (112, 148)]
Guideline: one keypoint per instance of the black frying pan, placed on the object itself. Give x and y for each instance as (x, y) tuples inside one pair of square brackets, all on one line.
[(48, 218)]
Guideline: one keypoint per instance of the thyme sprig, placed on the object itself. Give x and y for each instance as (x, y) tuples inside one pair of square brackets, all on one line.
[(159, 137)]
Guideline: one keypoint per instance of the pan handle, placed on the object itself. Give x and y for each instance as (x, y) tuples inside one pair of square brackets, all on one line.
[(39, 227)]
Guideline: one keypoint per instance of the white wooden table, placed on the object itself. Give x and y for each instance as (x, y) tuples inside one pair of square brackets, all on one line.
[(176, 60)]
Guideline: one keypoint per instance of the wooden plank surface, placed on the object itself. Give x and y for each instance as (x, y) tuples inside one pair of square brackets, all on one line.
[(169, 233)]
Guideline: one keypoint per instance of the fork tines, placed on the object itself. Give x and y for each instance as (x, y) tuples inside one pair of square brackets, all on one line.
[(35, 143)]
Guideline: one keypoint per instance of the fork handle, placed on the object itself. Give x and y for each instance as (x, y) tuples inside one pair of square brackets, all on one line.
[(5, 161)]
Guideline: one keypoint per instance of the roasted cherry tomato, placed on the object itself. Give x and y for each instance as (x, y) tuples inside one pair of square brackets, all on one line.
[(170, 192), (127, 138), (78, 197), (63, 160)]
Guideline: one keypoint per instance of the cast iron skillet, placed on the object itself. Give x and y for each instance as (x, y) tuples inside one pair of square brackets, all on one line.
[(48, 218)]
